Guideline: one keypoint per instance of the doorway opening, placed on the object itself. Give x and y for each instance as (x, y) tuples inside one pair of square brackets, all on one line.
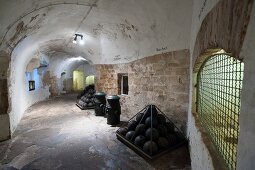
[(78, 80)]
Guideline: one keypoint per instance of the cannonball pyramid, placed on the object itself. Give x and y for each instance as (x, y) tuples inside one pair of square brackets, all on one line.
[(150, 133), (86, 100)]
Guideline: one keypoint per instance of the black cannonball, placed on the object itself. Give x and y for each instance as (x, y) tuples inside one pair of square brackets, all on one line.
[(139, 117), (91, 91), (93, 99), (161, 119), (80, 102), (130, 135), (151, 110), (89, 96), (150, 147), (152, 120), (84, 104), (162, 130), (123, 131), (172, 139), (140, 140), (90, 104), (83, 98), (163, 143), (170, 127), (87, 100), (132, 125), (140, 129), (152, 133)]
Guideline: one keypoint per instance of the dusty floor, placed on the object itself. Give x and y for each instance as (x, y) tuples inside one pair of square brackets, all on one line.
[(56, 134)]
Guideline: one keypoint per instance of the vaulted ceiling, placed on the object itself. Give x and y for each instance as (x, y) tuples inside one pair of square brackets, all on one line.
[(115, 31)]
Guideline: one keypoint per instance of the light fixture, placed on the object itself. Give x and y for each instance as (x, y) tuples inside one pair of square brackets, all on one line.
[(79, 38), (75, 39)]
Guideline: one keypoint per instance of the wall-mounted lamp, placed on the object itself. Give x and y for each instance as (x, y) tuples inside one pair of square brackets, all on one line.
[(79, 38)]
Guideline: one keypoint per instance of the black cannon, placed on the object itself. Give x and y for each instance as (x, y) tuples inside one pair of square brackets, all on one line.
[(113, 110), (100, 103)]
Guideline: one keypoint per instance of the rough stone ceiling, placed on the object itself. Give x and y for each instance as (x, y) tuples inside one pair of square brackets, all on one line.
[(116, 31)]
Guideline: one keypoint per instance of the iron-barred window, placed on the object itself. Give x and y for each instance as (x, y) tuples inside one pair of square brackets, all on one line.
[(218, 102)]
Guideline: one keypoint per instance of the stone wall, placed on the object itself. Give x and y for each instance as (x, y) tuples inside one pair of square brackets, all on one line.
[(162, 80)]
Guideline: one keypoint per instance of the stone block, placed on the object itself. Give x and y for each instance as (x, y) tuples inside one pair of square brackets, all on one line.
[(181, 71), (182, 98), (179, 88)]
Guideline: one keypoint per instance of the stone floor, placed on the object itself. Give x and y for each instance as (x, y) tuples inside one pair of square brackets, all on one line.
[(55, 134)]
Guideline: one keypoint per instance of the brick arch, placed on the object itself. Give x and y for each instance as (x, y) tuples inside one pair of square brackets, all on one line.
[(224, 26), (204, 56)]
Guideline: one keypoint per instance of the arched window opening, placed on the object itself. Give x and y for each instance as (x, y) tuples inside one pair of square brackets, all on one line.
[(219, 84)]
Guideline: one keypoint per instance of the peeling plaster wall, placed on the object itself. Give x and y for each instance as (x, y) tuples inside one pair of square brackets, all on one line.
[(222, 27), (162, 80)]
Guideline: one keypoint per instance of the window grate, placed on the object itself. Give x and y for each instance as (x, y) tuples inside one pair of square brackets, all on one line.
[(218, 102)]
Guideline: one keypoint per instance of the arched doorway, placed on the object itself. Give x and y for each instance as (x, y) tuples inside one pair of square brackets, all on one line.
[(78, 80)]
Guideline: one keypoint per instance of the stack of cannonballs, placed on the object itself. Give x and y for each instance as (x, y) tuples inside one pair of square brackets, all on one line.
[(151, 132), (86, 98)]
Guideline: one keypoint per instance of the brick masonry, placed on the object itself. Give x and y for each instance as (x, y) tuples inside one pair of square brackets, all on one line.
[(224, 27), (162, 80)]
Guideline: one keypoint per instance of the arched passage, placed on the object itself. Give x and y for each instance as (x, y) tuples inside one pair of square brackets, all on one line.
[(112, 35)]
